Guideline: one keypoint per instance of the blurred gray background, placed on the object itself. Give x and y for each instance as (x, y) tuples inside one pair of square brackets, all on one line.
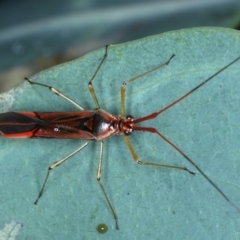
[(35, 35)]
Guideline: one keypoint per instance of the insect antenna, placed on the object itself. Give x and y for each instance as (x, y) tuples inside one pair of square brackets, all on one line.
[(153, 130), (155, 114)]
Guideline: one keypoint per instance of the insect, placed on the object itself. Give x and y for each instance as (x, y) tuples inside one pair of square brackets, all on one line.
[(95, 125)]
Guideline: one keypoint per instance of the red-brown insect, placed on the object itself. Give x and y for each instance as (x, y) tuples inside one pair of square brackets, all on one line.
[(93, 125)]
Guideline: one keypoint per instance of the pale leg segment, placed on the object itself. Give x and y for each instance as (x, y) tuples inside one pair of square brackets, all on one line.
[(56, 164), (90, 86), (55, 91), (99, 174)]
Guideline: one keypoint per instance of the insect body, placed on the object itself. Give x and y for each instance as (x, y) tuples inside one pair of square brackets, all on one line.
[(88, 125), (94, 125)]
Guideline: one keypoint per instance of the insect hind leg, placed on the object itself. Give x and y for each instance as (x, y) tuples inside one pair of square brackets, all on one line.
[(55, 91)]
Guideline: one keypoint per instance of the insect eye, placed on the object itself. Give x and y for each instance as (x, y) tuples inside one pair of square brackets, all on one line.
[(129, 117), (127, 133)]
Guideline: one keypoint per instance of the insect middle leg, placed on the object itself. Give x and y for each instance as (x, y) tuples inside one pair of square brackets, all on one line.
[(99, 170), (99, 174), (90, 86)]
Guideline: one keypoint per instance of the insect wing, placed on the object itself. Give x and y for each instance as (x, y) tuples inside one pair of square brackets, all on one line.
[(68, 125), (18, 125)]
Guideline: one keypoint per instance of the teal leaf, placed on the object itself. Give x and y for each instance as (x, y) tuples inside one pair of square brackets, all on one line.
[(151, 203)]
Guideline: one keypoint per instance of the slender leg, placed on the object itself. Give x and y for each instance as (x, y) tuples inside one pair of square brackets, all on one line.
[(155, 114), (99, 170), (56, 164), (55, 91), (90, 86), (123, 87), (129, 145), (153, 130), (136, 159)]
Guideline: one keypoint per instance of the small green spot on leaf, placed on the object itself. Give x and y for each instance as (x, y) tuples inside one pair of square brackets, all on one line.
[(102, 228)]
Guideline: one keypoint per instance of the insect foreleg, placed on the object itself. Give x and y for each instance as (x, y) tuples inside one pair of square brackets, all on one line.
[(137, 160), (123, 86)]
